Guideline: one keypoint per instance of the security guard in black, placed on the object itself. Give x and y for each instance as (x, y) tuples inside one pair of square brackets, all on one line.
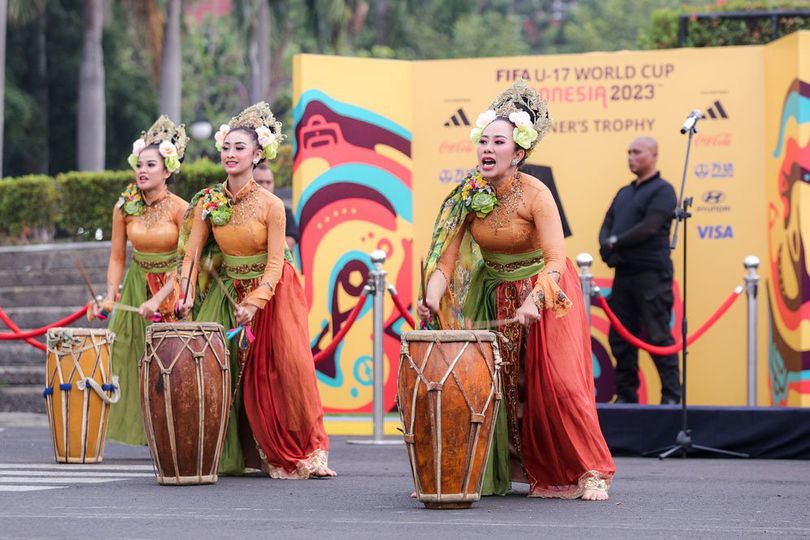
[(634, 239)]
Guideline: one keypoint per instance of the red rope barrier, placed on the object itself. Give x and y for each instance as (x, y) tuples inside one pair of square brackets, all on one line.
[(398, 303), (669, 349), (344, 329), (39, 331), (14, 328)]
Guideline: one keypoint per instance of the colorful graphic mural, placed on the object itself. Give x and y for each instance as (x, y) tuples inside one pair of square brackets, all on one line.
[(788, 250), (357, 198)]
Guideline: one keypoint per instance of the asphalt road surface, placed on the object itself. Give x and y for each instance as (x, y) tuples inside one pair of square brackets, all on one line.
[(675, 498)]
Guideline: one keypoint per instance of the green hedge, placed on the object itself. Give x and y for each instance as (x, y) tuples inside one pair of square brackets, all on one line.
[(27, 203), (663, 31), (79, 203)]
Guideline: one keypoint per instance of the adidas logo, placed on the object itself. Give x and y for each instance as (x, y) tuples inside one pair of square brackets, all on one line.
[(459, 118), (716, 111)]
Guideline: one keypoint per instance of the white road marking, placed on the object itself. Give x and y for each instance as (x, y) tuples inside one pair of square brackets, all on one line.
[(64, 474), (76, 466), (23, 477), (54, 480), (28, 488)]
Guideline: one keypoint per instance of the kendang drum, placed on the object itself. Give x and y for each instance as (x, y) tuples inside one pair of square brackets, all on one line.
[(185, 397), (79, 389), (448, 392)]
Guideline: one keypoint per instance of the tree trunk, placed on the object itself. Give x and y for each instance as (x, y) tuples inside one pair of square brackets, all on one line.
[(91, 115), (381, 22), (170, 67), (253, 63), (263, 45), (41, 93), (259, 53), (3, 23)]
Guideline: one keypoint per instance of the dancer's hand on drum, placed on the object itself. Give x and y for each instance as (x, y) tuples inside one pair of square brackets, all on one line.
[(527, 313), (183, 307), (427, 308), (245, 313), (99, 308), (149, 308)]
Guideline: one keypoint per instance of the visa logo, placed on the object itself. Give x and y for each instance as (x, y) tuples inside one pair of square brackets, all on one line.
[(715, 232)]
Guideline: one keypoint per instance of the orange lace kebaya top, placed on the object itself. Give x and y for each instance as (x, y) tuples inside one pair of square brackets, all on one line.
[(256, 226), (526, 219), (154, 231)]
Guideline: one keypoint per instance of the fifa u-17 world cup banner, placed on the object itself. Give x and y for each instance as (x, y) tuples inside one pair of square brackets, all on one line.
[(379, 144)]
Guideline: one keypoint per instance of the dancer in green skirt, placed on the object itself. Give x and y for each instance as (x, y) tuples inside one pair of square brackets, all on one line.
[(149, 216)]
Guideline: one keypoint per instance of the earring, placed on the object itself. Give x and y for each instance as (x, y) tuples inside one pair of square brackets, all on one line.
[(514, 162), (255, 161)]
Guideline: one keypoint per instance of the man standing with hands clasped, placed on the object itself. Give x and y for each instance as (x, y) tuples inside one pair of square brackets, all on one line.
[(634, 239)]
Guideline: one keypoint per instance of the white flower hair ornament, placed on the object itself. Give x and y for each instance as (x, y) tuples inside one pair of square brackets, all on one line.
[(219, 136), (137, 148), (169, 153), (484, 119), (170, 138), (268, 141)]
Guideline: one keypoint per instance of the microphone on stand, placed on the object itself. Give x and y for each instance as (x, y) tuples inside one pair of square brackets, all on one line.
[(691, 120)]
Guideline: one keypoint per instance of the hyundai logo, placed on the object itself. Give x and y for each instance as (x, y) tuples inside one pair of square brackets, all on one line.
[(713, 197)]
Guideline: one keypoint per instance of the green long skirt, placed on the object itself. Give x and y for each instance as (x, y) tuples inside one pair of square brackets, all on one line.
[(125, 423)]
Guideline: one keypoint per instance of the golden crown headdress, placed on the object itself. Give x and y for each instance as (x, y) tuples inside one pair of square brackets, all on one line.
[(522, 97), (165, 130), (256, 116), (259, 118), (170, 138), (522, 106)]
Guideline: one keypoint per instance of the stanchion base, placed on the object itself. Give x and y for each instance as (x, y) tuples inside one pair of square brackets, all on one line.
[(381, 442)]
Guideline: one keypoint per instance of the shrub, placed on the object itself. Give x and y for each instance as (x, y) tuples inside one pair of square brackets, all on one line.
[(79, 203), (663, 31), (86, 200), (27, 203)]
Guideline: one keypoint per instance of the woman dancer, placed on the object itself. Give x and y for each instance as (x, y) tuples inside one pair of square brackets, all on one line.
[(276, 422), (498, 254), (149, 216)]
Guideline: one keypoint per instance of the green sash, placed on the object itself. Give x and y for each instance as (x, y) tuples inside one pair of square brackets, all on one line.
[(125, 423), (480, 305)]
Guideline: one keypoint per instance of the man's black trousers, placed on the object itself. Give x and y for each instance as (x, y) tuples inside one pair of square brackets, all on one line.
[(642, 300)]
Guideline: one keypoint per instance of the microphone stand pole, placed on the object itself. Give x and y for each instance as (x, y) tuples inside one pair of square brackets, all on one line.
[(683, 441)]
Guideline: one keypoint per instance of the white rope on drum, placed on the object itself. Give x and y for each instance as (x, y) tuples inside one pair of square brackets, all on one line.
[(109, 400)]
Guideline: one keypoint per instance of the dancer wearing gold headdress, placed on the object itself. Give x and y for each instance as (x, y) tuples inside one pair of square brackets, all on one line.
[(149, 216), (498, 254), (276, 422)]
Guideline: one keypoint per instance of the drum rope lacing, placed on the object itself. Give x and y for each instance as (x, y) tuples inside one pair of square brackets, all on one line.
[(150, 354), (434, 395)]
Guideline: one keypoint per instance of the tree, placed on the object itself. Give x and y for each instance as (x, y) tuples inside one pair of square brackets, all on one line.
[(92, 105), (170, 67), (3, 20)]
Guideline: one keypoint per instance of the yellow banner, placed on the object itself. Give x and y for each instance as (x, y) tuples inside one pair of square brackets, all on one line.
[(364, 128), (787, 180)]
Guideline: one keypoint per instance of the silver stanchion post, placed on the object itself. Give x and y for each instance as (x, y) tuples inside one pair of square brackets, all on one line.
[(584, 262), (376, 282), (751, 263)]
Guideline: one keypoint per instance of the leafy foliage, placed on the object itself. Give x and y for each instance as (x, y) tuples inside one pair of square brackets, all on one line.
[(27, 203), (716, 32), (79, 203)]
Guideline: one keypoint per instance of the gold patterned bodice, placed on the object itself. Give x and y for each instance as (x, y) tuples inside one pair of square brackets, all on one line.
[(510, 227), (526, 219), (251, 217), (256, 225), (156, 230)]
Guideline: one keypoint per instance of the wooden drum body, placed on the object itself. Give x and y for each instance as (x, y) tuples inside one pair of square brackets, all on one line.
[(79, 389), (185, 383), (448, 394)]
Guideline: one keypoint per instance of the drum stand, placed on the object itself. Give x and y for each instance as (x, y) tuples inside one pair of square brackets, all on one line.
[(376, 287), (683, 441)]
